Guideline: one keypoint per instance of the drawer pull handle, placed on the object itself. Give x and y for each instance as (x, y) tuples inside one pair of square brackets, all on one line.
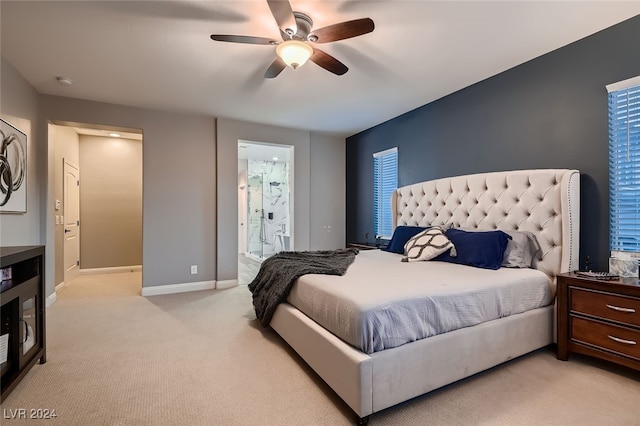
[(619, 340), (619, 309)]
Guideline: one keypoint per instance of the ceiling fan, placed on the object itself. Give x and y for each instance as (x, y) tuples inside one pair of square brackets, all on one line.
[(296, 30)]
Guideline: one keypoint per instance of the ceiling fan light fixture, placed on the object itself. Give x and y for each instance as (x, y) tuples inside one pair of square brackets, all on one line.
[(294, 53)]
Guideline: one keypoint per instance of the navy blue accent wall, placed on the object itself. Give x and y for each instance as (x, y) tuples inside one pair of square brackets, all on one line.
[(550, 112)]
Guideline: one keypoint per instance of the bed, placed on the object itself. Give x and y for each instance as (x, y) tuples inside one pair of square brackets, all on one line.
[(371, 378)]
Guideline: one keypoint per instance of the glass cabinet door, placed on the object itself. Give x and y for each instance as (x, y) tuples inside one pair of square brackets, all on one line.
[(29, 324), (8, 338)]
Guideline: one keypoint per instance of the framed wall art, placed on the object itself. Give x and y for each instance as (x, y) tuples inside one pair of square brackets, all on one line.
[(13, 169)]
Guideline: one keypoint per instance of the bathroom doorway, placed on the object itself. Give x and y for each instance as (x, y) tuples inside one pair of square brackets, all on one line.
[(265, 204)]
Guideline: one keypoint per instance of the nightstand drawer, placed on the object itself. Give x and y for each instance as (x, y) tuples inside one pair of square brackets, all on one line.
[(604, 305), (606, 336)]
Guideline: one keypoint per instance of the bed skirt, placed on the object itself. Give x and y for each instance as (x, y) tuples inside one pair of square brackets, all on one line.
[(371, 383)]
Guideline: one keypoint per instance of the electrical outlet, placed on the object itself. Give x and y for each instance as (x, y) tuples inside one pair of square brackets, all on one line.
[(194, 269)]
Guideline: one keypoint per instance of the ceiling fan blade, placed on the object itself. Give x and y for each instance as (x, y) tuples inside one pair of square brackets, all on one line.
[(343, 30), (283, 14), (243, 39), (275, 68), (328, 62)]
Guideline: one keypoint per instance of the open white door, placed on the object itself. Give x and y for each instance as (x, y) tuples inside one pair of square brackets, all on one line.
[(71, 222)]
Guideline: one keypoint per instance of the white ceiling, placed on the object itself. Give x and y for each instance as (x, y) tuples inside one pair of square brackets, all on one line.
[(158, 54), (263, 152), (108, 133)]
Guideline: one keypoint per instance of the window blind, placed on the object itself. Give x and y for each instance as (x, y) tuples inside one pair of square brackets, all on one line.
[(385, 177), (624, 167)]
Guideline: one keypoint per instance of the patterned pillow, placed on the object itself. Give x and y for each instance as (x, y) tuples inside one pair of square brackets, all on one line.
[(427, 244)]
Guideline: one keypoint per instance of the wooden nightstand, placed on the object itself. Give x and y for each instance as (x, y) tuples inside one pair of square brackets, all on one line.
[(599, 318), (363, 246)]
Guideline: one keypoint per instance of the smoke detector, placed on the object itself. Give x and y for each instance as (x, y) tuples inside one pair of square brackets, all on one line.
[(65, 81)]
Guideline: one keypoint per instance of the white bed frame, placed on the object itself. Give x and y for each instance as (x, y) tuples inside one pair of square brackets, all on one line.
[(546, 202)]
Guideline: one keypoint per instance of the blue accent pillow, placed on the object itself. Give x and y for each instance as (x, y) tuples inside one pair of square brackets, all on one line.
[(479, 249), (401, 235)]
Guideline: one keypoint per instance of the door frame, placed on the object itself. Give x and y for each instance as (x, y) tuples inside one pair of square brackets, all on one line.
[(290, 149)]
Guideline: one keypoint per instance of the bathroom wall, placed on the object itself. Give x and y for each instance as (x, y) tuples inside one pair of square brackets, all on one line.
[(254, 215), (271, 226)]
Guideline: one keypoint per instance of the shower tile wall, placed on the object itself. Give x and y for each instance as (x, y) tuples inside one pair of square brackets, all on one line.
[(254, 201), (268, 207)]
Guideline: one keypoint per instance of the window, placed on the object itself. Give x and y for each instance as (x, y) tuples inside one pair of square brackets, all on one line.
[(385, 181), (624, 165)]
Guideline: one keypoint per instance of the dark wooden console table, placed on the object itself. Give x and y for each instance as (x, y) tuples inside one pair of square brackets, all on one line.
[(22, 313)]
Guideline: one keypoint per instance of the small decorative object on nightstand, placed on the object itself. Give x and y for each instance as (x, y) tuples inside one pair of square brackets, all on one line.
[(625, 267), (600, 318)]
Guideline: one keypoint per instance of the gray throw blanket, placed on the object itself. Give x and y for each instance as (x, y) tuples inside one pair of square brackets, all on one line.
[(278, 273)]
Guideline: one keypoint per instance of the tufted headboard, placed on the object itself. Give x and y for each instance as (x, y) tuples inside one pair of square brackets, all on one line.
[(545, 202)]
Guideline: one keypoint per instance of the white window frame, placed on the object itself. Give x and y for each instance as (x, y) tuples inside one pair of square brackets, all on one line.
[(385, 181), (624, 142)]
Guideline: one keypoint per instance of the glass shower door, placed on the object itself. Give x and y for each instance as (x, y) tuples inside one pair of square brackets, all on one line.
[(255, 216)]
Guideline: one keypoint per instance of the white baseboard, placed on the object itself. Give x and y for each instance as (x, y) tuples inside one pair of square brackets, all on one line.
[(111, 270), (178, 288), (51, 299), (60, 286), (226, 284)]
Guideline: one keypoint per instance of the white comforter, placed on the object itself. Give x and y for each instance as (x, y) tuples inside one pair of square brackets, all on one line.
[(382, 303)]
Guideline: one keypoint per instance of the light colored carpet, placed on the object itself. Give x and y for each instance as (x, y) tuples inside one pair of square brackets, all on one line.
[(201, 358)]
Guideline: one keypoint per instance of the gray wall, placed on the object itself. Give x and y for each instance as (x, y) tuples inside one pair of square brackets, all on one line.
[(328, 207), (181, 182), (65, 143), (228, 133), (550, 112), (19, 107), (110, 202), (318, 187), (179, 168)]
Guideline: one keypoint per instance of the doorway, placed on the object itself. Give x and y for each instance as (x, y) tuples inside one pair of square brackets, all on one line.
[(98, 200), (265, 204)]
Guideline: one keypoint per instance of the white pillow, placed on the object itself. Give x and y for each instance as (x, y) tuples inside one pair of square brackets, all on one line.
[(522, 249), (426, 245)]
